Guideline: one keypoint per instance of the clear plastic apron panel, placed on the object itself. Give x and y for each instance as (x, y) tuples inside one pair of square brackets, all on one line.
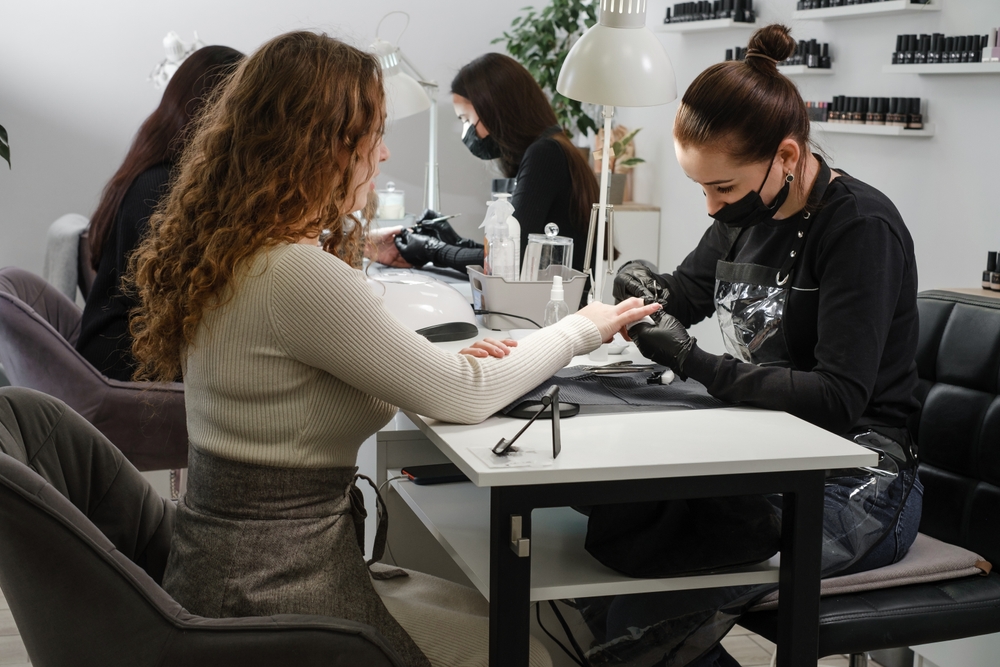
[(751, 317), (675, 628)]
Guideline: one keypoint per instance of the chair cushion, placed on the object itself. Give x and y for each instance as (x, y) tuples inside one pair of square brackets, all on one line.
[(900, 616), (927, 560)]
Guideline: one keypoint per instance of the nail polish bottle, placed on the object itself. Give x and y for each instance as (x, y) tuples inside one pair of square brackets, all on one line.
[(991, 267), (909, 47), (937, 45), (995, 279), (881, 107), (872, 111), (739, 9), (824, 58), (951, 47), (892, 118), (832, 112), (813, 54), (983, 49), (919, 56), (915, 120), (898, 53), (858, 113)]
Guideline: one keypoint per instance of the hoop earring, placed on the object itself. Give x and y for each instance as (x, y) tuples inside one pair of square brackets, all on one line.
[(789, 177)]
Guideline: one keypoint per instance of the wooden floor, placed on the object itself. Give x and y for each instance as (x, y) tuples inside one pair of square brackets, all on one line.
[(750, 650)]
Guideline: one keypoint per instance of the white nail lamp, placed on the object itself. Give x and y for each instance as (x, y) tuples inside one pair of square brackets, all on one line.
[(617, 62)]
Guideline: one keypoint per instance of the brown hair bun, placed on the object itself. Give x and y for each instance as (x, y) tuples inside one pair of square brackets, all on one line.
[(768, 46)]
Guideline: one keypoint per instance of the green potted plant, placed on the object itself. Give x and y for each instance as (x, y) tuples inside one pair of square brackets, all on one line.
[(621, 162), (540, 40)]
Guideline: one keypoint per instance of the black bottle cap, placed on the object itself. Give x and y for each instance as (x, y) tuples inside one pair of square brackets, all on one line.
[(976, 46), (894, 105), (914, 106), (991, 261), (963, 43), (826, 50), (949, 44), (925, 43), (899, 43), (883, 105), (873, 105)]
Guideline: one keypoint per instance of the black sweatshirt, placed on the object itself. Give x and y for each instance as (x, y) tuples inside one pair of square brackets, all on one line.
[(104, 337), (543, 194), (850, 319)]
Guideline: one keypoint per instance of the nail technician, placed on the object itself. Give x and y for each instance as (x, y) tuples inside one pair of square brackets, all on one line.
[(812, 275), (506, 117)]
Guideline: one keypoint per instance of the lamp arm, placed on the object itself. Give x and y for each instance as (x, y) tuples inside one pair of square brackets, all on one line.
[(602, 214)]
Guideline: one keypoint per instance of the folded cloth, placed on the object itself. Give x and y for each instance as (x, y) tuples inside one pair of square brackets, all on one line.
[(578, 385), (927, 560)]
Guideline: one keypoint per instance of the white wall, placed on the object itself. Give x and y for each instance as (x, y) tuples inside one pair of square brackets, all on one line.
[(73, 91)]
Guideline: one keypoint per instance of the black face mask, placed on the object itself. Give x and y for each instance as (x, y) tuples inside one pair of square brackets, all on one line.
[(485, 148), (751, 210)]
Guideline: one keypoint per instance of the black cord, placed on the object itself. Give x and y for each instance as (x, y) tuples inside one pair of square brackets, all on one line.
[(538, 614), (569, 634), (497, 312)]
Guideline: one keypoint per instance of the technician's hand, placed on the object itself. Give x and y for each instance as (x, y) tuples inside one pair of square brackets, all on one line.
[(417, 249), (667, 342), (441, 230), (609, 319), (637, 279), (489, 347), (380, 247)]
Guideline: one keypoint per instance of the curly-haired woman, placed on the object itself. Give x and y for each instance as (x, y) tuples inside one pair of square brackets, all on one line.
[(290, 362)]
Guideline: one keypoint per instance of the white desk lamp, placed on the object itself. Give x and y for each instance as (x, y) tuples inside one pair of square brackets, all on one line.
[(406, 96), (617, 62)]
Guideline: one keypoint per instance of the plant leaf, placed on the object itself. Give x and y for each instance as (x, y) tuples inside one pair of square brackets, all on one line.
[(4, 146), (632, 161)]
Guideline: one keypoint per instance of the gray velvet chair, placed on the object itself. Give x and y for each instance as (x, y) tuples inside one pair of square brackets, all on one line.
[(83, 544), (38, 329)]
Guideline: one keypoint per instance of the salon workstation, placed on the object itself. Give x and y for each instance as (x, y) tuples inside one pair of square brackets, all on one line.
[(586, 333)]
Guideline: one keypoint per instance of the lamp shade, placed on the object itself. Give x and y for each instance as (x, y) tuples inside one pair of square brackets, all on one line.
[(404, 96), (618, 61)]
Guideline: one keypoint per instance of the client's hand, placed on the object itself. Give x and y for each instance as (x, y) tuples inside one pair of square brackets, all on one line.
[(610, 319), (489, 347), (667, 342), (637, 279), (382, 249), (417, 249)]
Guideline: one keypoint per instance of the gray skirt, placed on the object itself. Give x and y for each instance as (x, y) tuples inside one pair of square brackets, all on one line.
[(256, 540)]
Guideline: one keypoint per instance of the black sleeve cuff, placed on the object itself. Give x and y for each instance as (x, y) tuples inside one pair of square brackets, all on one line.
[(702, 366)]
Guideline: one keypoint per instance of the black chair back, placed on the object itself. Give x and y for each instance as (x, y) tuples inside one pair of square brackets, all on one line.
[(958, 427)]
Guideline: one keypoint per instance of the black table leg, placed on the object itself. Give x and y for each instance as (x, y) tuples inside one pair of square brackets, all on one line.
[(510, 582), (801, 548)]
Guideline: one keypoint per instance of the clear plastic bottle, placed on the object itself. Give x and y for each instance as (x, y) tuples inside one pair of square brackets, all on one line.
[(503, 239), (556, 308)]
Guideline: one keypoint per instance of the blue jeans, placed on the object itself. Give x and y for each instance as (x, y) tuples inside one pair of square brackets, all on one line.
[(866, 525)]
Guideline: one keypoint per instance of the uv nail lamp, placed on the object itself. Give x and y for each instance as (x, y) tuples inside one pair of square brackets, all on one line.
[(432, 308)]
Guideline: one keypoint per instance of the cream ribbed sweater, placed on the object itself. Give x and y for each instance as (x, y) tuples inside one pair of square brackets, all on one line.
[(305, 362)]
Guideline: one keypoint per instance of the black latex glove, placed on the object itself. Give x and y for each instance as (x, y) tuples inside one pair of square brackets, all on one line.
[(667, 342), (418, 249), (441, 230), (637, 279)]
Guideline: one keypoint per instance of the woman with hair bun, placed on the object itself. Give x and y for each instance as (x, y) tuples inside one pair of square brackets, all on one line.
[(812, 275)]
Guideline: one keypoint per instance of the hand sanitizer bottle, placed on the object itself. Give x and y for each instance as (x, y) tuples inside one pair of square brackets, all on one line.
[(556, 308)]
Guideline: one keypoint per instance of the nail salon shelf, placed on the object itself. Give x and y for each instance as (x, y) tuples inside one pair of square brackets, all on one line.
[(880, 130), (943, 68), (893, 7), (802, 70), (710, 25)]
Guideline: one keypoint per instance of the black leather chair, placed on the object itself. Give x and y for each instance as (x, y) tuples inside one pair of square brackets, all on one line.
[(83, 545), (958, 435)]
